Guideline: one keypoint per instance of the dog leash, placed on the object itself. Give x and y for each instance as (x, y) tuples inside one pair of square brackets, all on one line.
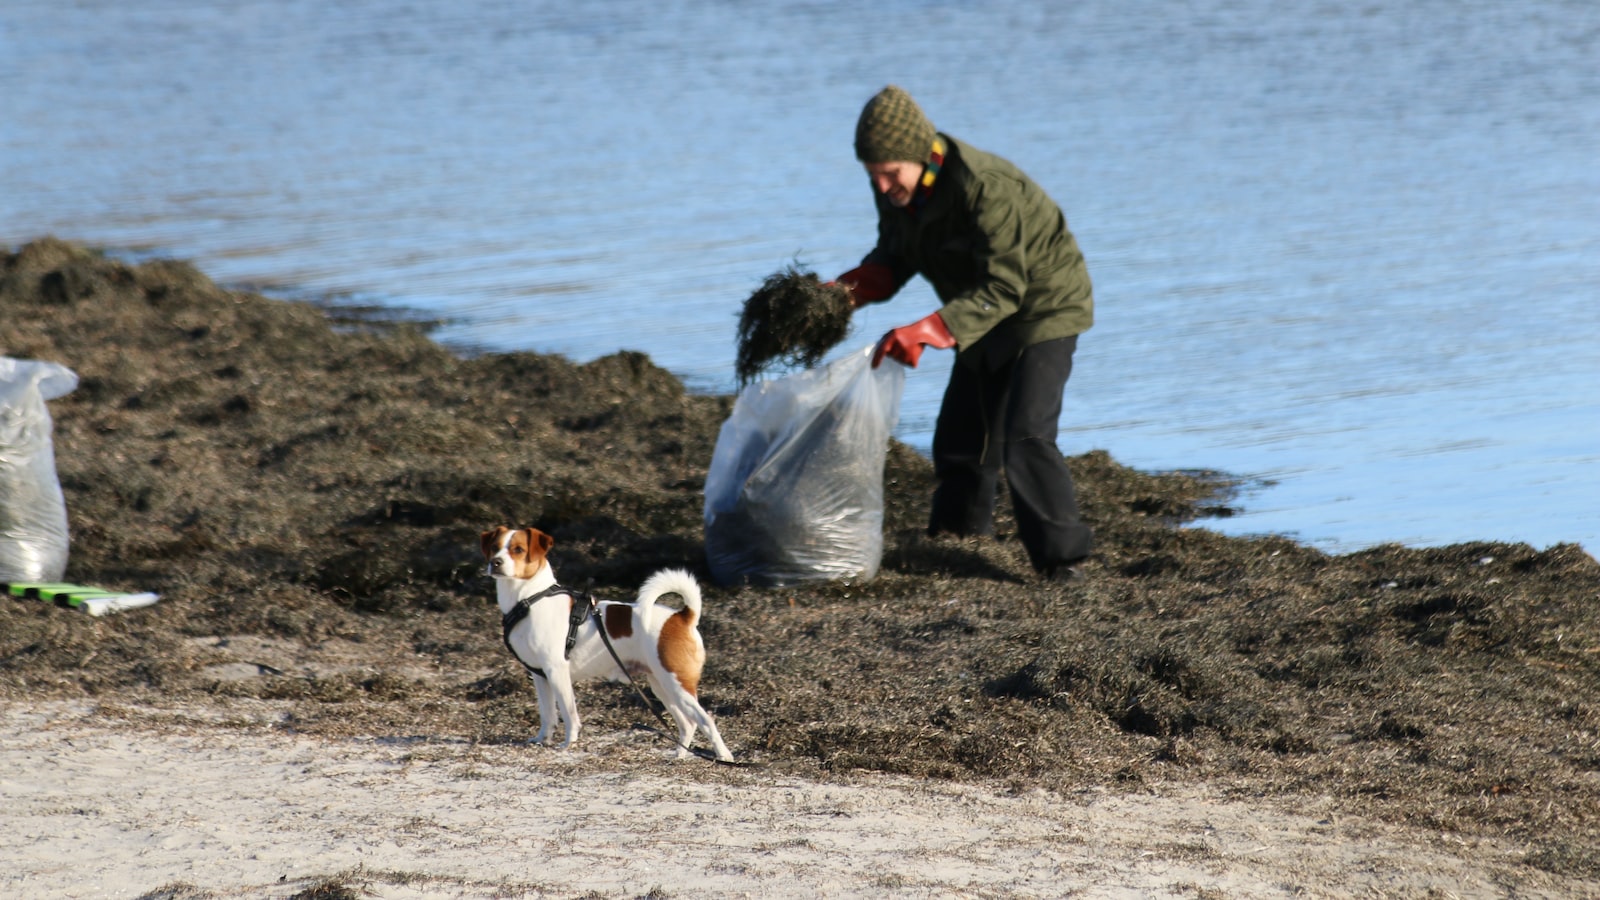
[(666, 727)]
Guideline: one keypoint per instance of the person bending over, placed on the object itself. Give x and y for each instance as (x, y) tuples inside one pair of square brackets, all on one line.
[(1015, 295)]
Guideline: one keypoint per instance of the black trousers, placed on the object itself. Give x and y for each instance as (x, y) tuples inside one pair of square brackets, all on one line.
[(1007, 419)]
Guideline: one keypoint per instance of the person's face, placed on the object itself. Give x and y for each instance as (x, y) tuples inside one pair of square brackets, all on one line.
[(896, 181)]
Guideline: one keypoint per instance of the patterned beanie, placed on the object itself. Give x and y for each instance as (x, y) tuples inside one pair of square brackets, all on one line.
[(892, 128)]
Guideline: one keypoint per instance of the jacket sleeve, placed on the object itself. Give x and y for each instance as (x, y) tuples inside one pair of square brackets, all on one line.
[(893, 270), (999, 263)]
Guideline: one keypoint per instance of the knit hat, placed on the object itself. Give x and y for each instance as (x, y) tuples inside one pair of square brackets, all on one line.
[(892, 128)]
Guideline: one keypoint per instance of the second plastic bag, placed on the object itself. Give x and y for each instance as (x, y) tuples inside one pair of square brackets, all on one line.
[(795, 489), (33, 513)]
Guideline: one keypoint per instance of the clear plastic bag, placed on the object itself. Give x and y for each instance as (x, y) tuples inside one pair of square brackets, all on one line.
[(33, 512), (795, 488)]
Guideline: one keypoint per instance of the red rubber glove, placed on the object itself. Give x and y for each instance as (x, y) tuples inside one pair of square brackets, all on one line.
[(868, 283), (905, 343)]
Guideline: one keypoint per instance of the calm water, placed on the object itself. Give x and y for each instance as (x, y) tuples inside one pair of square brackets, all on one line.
[(1352, 251)]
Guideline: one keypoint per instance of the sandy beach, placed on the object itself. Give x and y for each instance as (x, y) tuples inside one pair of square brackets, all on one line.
[(95, 809)]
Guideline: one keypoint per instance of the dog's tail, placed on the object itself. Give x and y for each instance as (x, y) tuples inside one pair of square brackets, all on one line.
[(670, 581)]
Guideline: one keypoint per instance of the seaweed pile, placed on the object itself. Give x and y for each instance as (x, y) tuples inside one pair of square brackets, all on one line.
[(305, 489)]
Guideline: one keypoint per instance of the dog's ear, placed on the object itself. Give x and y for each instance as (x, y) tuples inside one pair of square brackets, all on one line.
[(541, 540), (491, 541)]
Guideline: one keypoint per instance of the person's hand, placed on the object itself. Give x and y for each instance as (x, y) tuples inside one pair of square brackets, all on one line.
[(856, 301), (868, 283), (906, 342)]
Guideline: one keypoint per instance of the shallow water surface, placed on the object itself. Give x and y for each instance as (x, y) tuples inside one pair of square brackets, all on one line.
[(1348, 252)]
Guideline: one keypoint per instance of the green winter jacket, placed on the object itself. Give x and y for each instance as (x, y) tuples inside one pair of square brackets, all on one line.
[(997, 252)]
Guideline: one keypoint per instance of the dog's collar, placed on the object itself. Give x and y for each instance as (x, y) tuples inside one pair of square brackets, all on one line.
[(582, 607)]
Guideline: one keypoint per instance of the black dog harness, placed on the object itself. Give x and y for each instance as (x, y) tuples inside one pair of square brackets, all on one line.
[(582, 608)]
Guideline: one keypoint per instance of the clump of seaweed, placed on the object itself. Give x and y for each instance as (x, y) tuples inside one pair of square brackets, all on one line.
[(793, 318)]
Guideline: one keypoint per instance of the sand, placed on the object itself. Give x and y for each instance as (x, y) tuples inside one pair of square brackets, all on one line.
[(94, 809)]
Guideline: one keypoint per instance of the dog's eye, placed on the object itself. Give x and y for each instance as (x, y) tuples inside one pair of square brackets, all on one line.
[(515, 551)]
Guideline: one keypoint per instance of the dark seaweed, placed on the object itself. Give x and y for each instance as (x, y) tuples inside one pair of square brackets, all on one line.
[(793, 319), (321, 488)]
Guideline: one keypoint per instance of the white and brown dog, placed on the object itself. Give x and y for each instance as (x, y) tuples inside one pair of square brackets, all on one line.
[(662, 646)]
